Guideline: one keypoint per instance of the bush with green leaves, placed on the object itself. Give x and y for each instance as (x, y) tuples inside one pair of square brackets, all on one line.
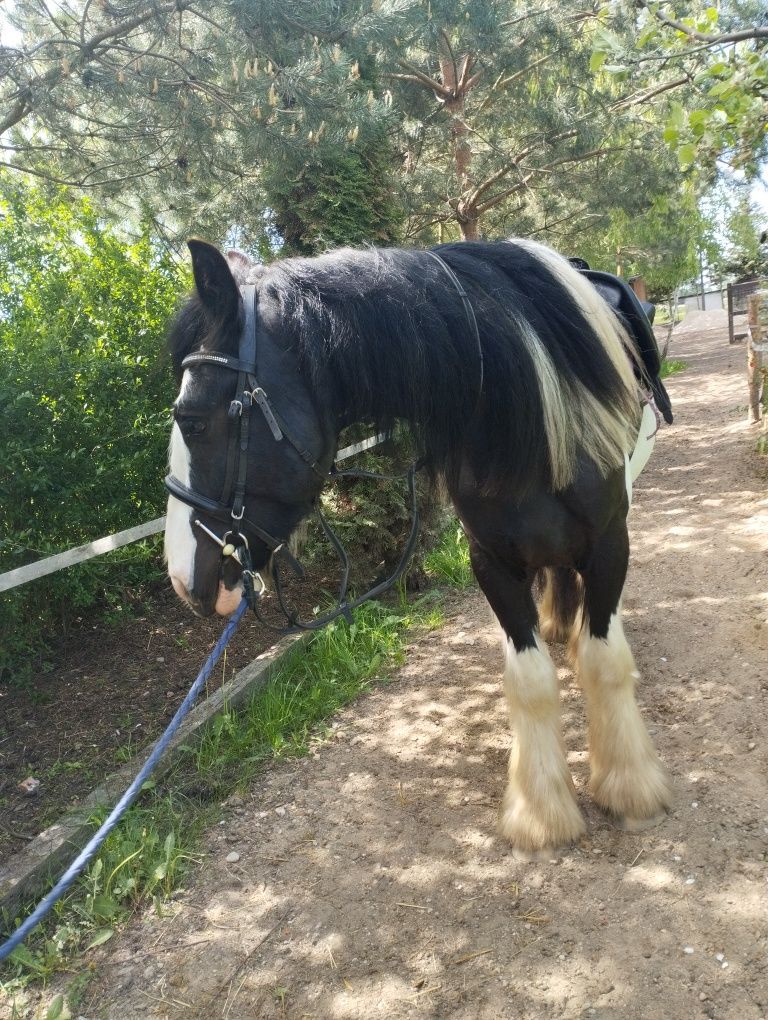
[(85, 391)]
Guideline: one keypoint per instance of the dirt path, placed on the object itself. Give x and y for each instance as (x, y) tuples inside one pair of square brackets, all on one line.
[(370, 881)]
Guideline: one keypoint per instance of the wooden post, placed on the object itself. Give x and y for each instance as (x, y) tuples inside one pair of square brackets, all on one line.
[(730, 313), (757, 357)]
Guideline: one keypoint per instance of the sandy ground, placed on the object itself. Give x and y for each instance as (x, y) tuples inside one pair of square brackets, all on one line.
[(370, 881)]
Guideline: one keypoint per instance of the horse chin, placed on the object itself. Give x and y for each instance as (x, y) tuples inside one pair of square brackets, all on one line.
[(228, 599)]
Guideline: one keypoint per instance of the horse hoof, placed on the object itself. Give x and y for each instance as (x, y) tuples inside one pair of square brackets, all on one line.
[(629, 824)]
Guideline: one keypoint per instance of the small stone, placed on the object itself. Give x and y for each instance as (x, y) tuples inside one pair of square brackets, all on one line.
[(29, 786), (280, 811), (719, 957), (688, 950), (751, 745), (160, 658), (233, 857)]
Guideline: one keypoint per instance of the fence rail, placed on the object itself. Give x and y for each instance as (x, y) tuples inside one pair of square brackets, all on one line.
[(738, 301), (81, 553)]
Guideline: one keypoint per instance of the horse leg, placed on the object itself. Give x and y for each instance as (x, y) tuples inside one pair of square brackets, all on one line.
[(539, 811), (627, 778)]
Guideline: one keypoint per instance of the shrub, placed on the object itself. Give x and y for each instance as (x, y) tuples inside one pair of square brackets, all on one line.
[(85, 391)]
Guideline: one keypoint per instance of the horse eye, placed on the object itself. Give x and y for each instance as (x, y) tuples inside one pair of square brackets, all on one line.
[(192, 426)]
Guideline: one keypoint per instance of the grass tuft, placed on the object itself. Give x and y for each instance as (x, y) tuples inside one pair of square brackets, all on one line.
[(448, 562), (671, 367)]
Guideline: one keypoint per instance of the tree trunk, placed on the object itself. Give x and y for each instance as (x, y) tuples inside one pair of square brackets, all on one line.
[(454, 79), (470, 226)]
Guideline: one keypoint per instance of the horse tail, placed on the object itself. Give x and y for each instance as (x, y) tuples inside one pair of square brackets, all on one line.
[(605, 430), (562, 597)]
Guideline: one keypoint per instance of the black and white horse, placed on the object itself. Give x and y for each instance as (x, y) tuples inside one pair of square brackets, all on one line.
[(527, 414)]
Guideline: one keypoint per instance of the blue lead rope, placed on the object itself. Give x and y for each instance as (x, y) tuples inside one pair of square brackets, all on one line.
[(92, 847)]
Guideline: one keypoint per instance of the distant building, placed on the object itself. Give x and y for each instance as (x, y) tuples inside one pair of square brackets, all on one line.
[(691, 299)]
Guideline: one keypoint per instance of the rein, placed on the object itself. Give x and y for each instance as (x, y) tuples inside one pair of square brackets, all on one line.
[(230, 507)]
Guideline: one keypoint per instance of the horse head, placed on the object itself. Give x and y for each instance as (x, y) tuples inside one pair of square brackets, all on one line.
[(250, 444)]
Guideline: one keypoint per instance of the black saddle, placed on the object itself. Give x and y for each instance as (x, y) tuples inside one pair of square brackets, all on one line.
[(636, 317)]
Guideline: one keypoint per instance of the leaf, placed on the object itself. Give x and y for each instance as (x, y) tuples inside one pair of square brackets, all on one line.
[(722, 88), (597, 60), (56, 1008), (686, 154), (102, 935), (22, 955), (104, 907)]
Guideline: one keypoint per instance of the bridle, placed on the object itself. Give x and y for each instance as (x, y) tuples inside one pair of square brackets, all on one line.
[(230, 507)]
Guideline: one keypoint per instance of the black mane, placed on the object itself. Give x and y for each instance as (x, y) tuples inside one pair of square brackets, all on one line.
[(389, 329)]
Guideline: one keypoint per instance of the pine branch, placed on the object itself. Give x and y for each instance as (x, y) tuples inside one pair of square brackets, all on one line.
[(523, 71), (643, 97), (24, 97), (472, 200), (417, 76)]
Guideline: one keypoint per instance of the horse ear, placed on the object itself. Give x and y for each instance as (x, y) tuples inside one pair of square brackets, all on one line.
[(214, 280), (240, 265)]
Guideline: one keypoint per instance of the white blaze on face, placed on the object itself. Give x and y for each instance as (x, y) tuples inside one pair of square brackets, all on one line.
[(179, 537)]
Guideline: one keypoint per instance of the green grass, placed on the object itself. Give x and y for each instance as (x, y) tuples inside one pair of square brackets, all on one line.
[(671, 367), (662, 316), (448, 562), (343, 661), (145, 856)]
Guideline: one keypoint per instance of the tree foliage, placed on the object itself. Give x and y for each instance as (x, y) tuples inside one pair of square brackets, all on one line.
[(333, 197), (175, 107), (84, 388), (710, 63), (499, 113), (744, 253), (488, 114)]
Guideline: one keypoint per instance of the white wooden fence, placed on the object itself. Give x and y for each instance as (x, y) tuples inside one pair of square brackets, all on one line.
[(49, 565)]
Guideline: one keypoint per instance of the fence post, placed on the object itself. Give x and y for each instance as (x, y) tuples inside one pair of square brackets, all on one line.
[(730, 313)]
